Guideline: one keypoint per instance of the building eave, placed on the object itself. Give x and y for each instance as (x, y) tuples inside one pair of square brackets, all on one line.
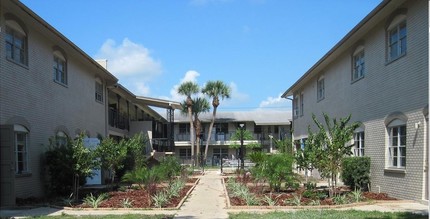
[(107, 76), (360, 29)]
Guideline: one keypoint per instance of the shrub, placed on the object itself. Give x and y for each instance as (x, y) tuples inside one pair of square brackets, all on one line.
[(340, 200), (356, 172), (69, 161)]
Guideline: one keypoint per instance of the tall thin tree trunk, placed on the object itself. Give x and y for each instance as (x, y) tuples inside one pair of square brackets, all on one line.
[(192, 137), (210, 133)]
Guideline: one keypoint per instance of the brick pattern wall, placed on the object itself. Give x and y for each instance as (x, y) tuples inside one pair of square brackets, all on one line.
[(399, 86), (30, 94)]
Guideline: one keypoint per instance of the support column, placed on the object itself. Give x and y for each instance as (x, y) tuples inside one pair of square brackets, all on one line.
[(170, 129)]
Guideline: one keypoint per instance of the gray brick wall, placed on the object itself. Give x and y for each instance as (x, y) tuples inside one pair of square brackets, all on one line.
[(401, 85), (30, 94)]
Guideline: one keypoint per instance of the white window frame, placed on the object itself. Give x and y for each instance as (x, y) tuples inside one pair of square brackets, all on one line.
[(359, 143), (61, 138), (358, 64), (396, 41), (16, 43), (21, 155), (99, 92), (320, 89), (301, 104), (296, 106), (397, 144), (60, 69)]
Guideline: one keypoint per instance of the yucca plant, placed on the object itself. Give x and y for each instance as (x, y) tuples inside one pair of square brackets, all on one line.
[(94, 201), (160, 199), (357, 195), (127, 203), (340, 200), (175, 188), (315, 202), (269, 200)]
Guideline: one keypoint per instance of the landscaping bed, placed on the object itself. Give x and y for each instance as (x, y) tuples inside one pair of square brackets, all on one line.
[(249, 193)]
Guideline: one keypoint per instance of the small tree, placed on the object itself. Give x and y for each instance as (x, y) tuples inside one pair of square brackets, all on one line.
[(276, 169), (136, 149), (83, 163), (112, 155), (306, 158), (284, 145), (332, 145)]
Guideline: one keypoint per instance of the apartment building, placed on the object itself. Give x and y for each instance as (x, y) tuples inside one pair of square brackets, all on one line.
[(264, 126), (50, 87), (378, 73)]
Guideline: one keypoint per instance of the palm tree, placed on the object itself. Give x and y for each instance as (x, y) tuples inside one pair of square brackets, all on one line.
[(200, 105), (188, 89), (215, 89)]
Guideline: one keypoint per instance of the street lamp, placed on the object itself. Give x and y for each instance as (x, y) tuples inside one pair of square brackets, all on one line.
[(242, 161)]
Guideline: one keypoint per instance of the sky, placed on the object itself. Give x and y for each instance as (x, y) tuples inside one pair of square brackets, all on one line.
[(257, 47)]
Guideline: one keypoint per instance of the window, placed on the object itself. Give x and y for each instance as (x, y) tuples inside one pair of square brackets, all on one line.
[(358, 64), (59, 66), (184, 128), (301, 104), (61, 138), (16, 38), (397, 38), (397, 144), (220, 152), (320, 89), (185, 153), (99, 92), (359, 144), (21, 149), (296, 106), (257, 129), (222, 128)]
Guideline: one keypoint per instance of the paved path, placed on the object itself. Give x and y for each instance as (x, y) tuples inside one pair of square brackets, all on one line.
[(207, 201)]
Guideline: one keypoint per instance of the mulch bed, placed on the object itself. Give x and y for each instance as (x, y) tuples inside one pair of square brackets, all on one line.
[(281, 198), (139, 198)]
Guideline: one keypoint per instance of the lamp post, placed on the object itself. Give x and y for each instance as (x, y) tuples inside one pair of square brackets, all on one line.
[(242, 161)]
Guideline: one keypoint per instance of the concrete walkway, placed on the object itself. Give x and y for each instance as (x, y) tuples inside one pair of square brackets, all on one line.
[(208, 201)]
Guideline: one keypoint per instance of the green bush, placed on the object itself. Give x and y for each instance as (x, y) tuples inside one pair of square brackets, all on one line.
[(356, 172), (64, 163)]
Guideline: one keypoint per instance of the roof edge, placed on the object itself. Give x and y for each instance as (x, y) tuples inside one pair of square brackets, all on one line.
[(357, 27)]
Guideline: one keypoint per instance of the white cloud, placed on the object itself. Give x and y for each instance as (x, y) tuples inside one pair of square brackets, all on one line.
[(129, 59), (131, 63), (275, 102), (190, 75), (141, 89)]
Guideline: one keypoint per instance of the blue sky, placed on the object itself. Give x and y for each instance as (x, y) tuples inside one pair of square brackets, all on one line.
[(258, 47)]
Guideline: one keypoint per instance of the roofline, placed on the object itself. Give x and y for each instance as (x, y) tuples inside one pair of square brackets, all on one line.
[(366, 19), (61, 36), (167, 104)]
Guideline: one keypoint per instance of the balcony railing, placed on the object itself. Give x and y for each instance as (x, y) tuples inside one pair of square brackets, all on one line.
[(117, 120), (223, 136)]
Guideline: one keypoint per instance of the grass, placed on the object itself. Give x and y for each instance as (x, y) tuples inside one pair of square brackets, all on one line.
[(321, 214)]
